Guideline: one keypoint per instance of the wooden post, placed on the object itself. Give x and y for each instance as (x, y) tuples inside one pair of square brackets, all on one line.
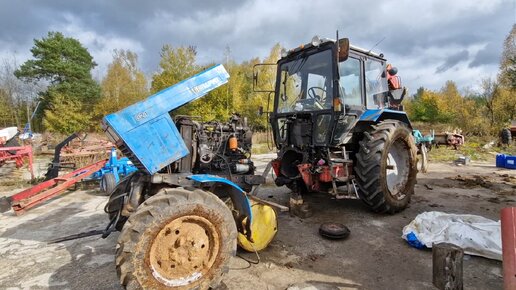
[(447, 266), (508, 220)]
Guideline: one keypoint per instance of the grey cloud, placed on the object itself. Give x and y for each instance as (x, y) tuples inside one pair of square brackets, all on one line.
[(452, 60), (488, 55), (252, 27)]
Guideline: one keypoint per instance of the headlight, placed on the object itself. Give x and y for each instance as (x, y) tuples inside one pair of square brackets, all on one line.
[(284, 52), (316, 41)]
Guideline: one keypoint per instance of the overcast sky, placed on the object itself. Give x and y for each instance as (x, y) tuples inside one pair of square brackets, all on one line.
[(429, 41)]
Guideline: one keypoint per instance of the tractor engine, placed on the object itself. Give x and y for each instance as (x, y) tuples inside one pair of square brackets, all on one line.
[(222, 149)]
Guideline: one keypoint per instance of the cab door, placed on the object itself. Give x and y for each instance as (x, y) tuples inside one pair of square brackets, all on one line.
[(351, 96), (375, 84)]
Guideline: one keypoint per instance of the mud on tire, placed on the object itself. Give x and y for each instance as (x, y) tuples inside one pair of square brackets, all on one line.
[(386, 166), (177, 239)]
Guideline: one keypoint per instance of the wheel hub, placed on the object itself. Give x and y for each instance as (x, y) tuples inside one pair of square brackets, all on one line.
[(184, 250), (397, 169)]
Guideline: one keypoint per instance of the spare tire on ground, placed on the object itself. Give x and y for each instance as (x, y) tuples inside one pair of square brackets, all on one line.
[(334, 231)]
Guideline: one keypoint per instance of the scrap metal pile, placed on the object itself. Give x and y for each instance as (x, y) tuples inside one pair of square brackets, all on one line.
[(11, 151), (79, 150)]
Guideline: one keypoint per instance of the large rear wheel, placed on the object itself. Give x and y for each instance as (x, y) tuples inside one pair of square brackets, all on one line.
[(387, 166), (177, 239)]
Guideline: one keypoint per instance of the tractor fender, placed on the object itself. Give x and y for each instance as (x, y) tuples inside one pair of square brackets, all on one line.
[(377, 115), (238, 197)]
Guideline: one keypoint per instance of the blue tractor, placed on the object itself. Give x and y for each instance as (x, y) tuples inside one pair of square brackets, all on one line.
[(339, 127), (180, 219)]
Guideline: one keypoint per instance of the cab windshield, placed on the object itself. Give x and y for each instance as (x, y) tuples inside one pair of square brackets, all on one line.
[(306, 84)]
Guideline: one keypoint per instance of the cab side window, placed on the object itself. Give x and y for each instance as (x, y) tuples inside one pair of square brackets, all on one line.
[(375, 83), (350, 87)]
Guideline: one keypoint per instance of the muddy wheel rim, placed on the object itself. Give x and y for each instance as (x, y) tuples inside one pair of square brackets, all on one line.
[(397, 169), (184, 251)]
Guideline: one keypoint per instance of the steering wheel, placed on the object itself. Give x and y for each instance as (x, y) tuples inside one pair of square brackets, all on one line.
[(314, 95)]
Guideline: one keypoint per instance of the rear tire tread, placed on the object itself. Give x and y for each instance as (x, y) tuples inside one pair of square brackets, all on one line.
[(368, 166)]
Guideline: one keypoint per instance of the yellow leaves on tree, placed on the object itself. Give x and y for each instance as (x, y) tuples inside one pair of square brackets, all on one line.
[(123, 85), (66, 115), (175, 65), (237, 96)]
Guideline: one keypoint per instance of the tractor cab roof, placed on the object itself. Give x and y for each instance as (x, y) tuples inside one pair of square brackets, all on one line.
[(321, 42)]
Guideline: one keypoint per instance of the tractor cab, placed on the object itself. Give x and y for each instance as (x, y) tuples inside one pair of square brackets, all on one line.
[(329, 99), (325, 87)]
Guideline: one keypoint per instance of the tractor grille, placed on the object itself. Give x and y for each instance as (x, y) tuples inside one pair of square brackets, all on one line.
[(129, 154), (120, 144)]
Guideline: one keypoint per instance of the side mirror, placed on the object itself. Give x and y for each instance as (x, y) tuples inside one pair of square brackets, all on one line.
[(343, 49), (264, 77)]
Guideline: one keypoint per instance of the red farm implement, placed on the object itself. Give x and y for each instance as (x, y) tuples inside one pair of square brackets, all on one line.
[(35, 195), (17, 154)]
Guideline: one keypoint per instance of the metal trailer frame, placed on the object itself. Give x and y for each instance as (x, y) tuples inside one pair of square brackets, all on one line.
[(22, 201)]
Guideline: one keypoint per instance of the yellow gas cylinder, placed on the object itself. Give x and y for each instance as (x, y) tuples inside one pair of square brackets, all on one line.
[(264, 227)]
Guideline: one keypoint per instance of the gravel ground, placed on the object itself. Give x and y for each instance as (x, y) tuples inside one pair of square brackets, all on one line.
[(373, 257)]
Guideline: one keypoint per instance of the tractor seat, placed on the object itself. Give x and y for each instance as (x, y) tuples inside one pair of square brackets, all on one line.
[(396, 97)]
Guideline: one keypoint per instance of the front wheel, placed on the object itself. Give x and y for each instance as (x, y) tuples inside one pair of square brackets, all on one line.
[(387, 166), (177, 239), (107, 183)]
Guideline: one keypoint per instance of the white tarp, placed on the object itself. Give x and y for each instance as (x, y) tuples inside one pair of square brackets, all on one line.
[(8, 133), (477, 235)]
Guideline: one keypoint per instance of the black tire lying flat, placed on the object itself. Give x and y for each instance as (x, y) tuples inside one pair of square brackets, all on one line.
[(107, 183), (334, 231), (177, 239), (387, 166)]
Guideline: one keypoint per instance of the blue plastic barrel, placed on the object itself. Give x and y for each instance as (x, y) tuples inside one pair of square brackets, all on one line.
[(510, 162), (500, 160)]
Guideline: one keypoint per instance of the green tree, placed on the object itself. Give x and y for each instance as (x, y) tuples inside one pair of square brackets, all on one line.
[(504, 104), (6, 116), (176, 64), (507, 75), (66, 115), (66, 65), (267, 78), (11, 89), (179, 63), (123, 85), (419, 93), (452, 102)]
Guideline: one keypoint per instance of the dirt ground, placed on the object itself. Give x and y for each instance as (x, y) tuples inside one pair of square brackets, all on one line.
[(373, 257)]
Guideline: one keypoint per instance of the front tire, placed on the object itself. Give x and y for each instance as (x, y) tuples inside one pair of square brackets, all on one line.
[(107, 183), (177, 239), (387, 166)]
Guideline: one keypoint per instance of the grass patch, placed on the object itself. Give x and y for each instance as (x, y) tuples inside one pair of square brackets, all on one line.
[(262, 148), (473, 148)]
